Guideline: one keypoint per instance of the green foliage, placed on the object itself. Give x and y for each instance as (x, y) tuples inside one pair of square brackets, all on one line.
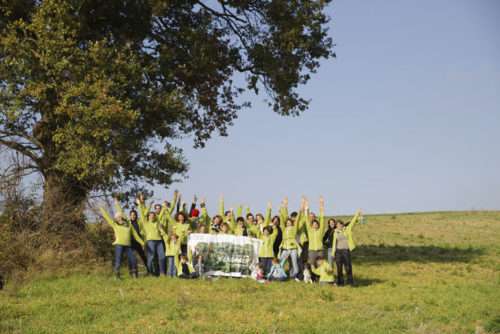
[(446, 282), (94, 92)]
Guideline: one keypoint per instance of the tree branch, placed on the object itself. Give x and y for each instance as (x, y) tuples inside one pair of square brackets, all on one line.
[(26, 151)]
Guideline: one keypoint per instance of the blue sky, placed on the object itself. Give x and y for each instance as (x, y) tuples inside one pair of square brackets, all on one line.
[(407, 118)]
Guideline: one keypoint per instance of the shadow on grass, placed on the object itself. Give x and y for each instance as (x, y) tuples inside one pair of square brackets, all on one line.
[(423, 254), (363, 281)]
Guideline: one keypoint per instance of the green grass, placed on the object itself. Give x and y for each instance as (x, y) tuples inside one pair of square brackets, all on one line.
[(415, 273)]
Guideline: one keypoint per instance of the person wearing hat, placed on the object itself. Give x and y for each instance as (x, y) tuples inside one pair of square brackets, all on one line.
[(124, 233)]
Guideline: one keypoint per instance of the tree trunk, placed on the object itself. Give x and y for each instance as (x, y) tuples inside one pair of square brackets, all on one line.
[(63, 204)]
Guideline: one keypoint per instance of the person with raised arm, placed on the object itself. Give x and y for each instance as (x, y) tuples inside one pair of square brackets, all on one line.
[(180, 226), (289, 246), (315, 232), (328, 240), (213, 224), (343, 244), (251, 224), (136, 246), (172, 252), (151, 229), (268, 235), (124, 232)]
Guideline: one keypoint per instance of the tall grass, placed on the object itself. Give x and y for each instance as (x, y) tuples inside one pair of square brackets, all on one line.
[(415, 273)]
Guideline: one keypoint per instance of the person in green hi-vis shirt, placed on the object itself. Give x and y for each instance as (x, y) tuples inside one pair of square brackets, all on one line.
[(289, 248), (124, 232), (268, 235)]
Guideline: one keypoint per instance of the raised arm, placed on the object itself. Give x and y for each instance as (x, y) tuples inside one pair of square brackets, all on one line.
[(267, 218), (141, 206), (118, 207), (221, 207), (354, 220), (107, 217), (204, 214), (284, 212), (305, 218), (136, 236), (322, 214), (193, 205), (142, 214)]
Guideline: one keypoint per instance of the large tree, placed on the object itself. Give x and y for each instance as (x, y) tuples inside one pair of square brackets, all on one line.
[(93, 92)]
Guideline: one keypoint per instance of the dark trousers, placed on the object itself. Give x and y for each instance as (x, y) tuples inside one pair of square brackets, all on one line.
[(184, 249), (303, 259), (140, 251), (266, 263), (132, 262), (343, 258)]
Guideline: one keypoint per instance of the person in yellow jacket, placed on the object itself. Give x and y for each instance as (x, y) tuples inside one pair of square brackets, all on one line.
[(214, 224), (289, 248), (151, 228), (268, 235), (324, 270), (315, 232), (251, 224), (172, 252), (185, 269), (342, 246), (124, 233), (182, 228), (240, 228)]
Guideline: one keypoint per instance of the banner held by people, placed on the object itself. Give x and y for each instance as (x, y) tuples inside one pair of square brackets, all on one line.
[(224, 254)]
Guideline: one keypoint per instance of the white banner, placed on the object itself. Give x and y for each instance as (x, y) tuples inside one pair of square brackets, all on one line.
[(224, 254)]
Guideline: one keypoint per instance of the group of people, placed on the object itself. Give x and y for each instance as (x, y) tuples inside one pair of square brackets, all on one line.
[(311, 247)]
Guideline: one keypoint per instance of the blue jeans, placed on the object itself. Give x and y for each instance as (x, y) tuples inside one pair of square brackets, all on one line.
[(266, 263), (155, 247), (293, 255), (172, 270), (132, 261), (330, 256)]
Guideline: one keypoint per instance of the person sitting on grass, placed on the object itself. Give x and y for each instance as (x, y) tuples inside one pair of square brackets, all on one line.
[(185, 269), (258, 273), (342, 246), (323, 269), (124, 232), (276, 273)]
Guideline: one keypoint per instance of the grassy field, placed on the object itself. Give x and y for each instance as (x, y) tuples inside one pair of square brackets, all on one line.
[(415, 273)]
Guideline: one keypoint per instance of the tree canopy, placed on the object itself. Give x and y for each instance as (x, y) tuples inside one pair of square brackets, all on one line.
[(93, 92)]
